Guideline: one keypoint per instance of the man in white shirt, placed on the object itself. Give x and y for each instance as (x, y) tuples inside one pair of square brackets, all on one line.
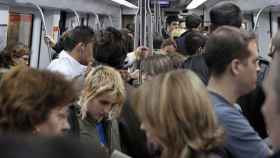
[(77, 53)]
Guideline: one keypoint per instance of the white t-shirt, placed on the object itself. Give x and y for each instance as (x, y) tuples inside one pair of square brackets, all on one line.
[(68, 66)]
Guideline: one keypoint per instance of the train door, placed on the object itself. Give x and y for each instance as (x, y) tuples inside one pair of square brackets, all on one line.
[(20, 27), (18, 31)]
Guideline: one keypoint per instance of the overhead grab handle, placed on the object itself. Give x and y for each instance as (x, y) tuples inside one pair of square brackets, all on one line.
[(77, 16), (44, 26), (97, 21), (258, 16)]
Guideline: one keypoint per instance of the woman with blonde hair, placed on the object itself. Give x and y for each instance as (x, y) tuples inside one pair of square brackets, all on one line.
[(176, 113), (101, 102)]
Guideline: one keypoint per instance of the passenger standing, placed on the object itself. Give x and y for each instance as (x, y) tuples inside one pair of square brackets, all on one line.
[(195, 43), (233, 63), (109, 50), (193, 23), (221, 14), (6, 62), (271, 109), (34, 102), (155, 65), (168, 46), (101, 102), (172, 23), (19, 53), (230, 14), (56, 46), (77, 53), (176, 113)]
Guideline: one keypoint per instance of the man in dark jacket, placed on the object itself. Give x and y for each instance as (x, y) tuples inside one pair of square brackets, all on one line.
[(172, 23), (221, 14), (193, 22), (231, 15)]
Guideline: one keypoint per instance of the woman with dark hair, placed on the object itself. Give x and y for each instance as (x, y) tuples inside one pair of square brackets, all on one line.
[(34, 102)]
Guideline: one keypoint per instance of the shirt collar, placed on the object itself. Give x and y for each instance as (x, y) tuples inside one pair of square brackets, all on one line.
[(73, 61), (221, 98)]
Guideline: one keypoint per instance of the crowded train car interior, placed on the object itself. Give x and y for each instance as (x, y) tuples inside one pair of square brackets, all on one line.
[(139, 78)]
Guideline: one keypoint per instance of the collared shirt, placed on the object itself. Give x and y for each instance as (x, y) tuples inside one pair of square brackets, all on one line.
[(242, 141), (68, 66)]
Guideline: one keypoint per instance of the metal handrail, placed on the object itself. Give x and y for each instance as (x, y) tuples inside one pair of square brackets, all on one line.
[(45, 27), (97, 21), (111, 20), (77, 16), (258, 16)]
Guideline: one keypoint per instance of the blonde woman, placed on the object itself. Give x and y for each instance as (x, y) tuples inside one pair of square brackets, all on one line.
[(101, 102), (176, 114)]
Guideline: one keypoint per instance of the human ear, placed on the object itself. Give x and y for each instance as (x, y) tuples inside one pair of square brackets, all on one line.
[(235, 66)]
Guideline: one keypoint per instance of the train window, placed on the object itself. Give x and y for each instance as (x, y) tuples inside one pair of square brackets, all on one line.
[(20, 29)]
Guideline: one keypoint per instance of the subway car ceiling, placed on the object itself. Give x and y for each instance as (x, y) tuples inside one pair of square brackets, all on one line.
[(21, 21)]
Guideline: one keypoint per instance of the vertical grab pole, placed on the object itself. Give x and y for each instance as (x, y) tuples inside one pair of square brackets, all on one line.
[(159, 17), (110, 20), (143, 28), (149, 26), (137, 25)]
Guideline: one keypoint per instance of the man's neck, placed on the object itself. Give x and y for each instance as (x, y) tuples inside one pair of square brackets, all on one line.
[(75, 56), (224, 87)]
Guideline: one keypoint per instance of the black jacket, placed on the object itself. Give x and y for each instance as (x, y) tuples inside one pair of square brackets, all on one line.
[(181, 43), (251, 103), (198, 65), (276, 155)]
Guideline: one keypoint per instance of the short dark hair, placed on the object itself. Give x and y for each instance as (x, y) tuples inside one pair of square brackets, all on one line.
[(224, 45), (193, 21), (109, 48), (194, 41), (225, 14), (128, 40), (172, 18), (157, 40), (6, 60), (27, 97), (79, 34)]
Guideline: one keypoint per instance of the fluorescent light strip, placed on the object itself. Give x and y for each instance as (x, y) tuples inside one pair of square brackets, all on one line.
[(195, 3), (125, 3)]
